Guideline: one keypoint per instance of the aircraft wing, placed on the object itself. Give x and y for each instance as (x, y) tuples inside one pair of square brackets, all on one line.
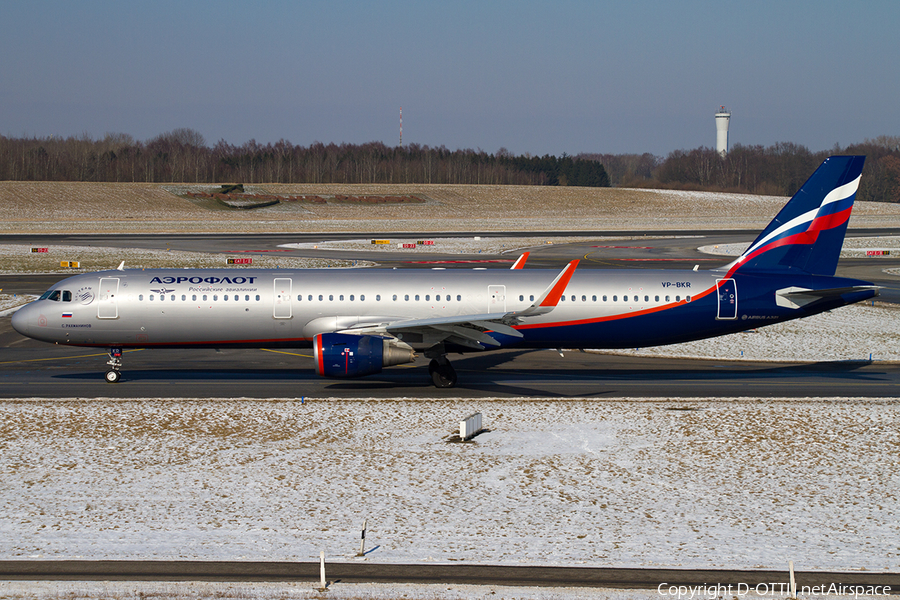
[(472, 330)]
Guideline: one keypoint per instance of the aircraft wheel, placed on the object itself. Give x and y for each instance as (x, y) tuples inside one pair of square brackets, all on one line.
[(443, 376), (113, 376)]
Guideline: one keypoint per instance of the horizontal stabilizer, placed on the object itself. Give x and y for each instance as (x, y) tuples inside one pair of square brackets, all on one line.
[(795, 297)]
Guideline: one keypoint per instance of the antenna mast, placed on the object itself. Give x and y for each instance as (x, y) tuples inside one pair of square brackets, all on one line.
[(401, 126)]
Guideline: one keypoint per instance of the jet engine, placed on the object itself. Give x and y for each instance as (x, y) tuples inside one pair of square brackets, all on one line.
[(345, 355)]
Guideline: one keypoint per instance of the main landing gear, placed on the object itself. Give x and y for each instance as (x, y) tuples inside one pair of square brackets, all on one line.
[(115, 363), (442, 373)]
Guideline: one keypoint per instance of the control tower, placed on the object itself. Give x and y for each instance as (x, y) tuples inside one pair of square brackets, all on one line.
[(722, 119)]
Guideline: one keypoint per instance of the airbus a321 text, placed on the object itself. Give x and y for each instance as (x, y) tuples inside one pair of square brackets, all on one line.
[(359, 321)]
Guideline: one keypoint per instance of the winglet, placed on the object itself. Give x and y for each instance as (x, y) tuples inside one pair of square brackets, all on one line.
[(121, 266), (520, 262), (550, 298)]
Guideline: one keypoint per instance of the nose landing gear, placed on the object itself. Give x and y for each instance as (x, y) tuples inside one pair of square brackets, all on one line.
[(115, 362)]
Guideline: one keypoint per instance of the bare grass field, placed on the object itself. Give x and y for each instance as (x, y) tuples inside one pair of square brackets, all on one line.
[(74, 207)]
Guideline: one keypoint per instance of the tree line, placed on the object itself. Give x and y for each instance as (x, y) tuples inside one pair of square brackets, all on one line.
[(182, 155), (779, 169)]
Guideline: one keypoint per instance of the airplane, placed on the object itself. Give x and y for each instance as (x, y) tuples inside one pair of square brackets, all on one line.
[(360, 321)]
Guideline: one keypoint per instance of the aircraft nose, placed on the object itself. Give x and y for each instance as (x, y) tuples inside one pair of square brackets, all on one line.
[(20, 320)]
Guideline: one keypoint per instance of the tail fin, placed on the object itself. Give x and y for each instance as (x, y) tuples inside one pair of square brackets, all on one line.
[(808, 233)]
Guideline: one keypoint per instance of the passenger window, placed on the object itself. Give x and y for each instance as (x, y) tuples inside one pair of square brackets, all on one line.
[(531, 298), (194, 298), (377, 297), (687, 298), (172, 298), (646, 298), (162, 297), (351, 297), (226, 298), (406, 297), (417, 297), (151, 297), (521, 298), (247, 298), (320, 297), (563, 297), (341, 297), (615, 298), (362, 297), (183, 297), (331, 297), (458, 298), (427, 297), (215, 297), (604, 298), (667, 298), (677, 298), (584, 298), (140, 297), (299, 297), (593, 298), (204, 297), (308, 297), (395, 297), (257, 298)]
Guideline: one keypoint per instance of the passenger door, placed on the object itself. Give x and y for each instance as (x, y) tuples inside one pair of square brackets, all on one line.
[(727, 299), (282, 309), (108, 306)]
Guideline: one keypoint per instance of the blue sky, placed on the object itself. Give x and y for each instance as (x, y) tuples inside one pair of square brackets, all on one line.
[(535, 77)]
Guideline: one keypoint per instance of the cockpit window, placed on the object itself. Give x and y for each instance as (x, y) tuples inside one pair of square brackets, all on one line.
[(66, 296), (50, 295)]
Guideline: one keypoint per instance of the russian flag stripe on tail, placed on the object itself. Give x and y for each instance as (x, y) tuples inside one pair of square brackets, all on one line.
[(808, 233)]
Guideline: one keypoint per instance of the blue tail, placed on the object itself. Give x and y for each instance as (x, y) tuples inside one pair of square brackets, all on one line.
[(808, 233)]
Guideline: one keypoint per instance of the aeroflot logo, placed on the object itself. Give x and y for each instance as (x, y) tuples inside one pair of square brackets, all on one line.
[(231, 280)]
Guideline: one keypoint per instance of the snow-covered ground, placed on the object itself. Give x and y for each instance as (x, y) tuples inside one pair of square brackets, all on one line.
[(197, 590), (467, 245), (854, 247), (687, 483), (10, 303)]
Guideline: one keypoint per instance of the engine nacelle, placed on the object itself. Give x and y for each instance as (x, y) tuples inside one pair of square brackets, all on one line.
[(345, 355)]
